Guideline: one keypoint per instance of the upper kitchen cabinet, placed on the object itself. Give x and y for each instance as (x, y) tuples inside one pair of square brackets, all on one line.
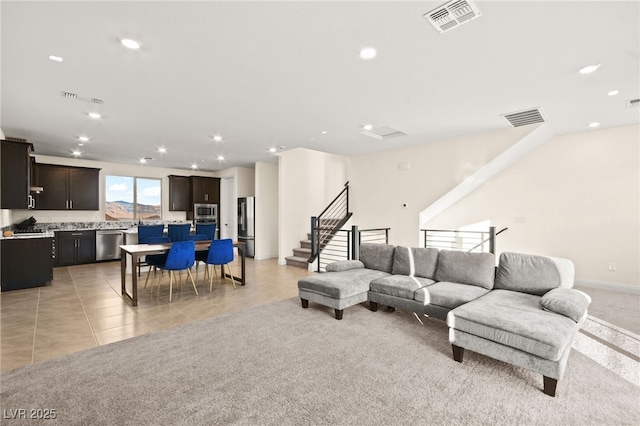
[(16, 174), (205, 190), (67, 188), (179, 193)]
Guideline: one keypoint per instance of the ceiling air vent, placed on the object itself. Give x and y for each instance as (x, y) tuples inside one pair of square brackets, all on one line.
[(524, 118), (452, 14), (97, 101), (69, 95), (633, 103), (382, 133)]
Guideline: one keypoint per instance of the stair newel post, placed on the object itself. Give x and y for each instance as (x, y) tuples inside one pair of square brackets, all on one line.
[(492, 239), (313, 236), (355, 243)]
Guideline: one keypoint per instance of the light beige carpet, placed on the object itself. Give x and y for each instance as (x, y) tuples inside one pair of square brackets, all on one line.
[(281, 364)]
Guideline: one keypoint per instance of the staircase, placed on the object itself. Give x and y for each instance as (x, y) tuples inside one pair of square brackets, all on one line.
[(323, 228), (301, 255)]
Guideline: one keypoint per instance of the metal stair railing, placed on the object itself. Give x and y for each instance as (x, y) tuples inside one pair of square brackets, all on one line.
[(345, 245), (329, 222), (469, 241)]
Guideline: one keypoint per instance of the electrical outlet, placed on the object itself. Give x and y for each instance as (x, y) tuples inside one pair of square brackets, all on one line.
[(612, 266)]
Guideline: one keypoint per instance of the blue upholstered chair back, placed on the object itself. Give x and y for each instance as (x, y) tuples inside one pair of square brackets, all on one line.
[(182, 255), (209, 229), (179, 232), (156, 259), (147, 231), (199, 237), (220, 252)]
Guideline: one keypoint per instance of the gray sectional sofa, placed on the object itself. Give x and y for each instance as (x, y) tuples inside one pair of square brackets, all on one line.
[(524, 312)]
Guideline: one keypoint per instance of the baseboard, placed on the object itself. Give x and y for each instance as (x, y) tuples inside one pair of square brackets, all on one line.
[(623, 288)]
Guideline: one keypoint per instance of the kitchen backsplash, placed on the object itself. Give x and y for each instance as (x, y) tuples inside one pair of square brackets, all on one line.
[(74, 226)]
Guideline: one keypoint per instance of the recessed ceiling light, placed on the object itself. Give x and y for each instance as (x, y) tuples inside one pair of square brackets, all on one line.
[(162, 150), (143, 160), (613, 92), (367, 127), (130, 43), (80, 144), (324, 132), (273, 150), (594, 124), (589, 69), (55, 58), (217, 138), (76, 153), (94, 115), (220, 157), (368, 53), (194, 166), (83, 138)]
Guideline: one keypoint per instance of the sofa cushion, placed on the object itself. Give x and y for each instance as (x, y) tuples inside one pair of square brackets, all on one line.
[(377, 256), (340, 284), (399, 285), (516, 320), (449, 295), (344, 265), (466, 268), (566, 301), (533, 274), (415, 261)]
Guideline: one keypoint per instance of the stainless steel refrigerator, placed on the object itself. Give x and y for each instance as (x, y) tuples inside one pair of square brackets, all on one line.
[(246, 224)]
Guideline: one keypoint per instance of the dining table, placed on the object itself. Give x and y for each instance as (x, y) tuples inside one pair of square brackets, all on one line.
[(137, 251)]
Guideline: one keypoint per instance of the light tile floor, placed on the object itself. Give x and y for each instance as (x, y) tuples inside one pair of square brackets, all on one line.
[(83, 309)]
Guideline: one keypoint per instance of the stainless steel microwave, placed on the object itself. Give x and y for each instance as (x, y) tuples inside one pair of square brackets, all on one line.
[(205, 212)]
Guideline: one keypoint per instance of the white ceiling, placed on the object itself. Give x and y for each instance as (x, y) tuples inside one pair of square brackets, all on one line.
[(264, 74)]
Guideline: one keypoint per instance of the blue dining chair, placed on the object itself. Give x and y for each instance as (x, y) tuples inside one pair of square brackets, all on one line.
[(144, 233), (155, 260), (178, 231), (209, 229), (181, 257), (220, 253)]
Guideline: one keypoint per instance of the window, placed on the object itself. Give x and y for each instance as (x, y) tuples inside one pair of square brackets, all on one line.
[(132, 198)]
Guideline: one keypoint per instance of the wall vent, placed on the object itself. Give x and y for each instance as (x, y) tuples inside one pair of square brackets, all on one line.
[(69, 95), (96, 101), (633, 103), (382, 133), (75, 97), (525, 118), (452, 14)]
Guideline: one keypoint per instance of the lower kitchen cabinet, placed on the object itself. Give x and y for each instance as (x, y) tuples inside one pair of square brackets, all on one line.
[(75, 247), (26, 263)]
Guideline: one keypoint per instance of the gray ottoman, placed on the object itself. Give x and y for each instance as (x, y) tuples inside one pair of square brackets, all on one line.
[(338, 290)]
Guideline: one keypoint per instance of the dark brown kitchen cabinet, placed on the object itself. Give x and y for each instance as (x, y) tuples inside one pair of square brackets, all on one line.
[(16, 174), (26, 263), (205, 190), (67, 188), (179, 193), (75, 247)]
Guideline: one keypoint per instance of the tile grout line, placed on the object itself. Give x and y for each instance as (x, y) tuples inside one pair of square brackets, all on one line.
[(93, 333), (35, 329)]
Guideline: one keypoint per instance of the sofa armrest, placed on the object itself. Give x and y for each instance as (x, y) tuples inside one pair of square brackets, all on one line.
[(568, 302), (344, 265)]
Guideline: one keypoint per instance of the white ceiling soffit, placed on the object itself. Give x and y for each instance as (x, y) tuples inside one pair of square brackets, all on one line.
[(452, 14), (382, 132), (525, 118)]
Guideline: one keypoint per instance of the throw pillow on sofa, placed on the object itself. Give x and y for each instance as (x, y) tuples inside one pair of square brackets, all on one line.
[(566, 301), (415, 261), (466, 268)]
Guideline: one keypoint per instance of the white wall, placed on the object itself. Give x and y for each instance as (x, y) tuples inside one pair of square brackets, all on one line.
[(381, 184), (577, 196), (266, 189), (308, 181), (244, 178), (106, 169)]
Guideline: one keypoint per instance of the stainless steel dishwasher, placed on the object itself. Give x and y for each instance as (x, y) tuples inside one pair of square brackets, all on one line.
[(108, 243)]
